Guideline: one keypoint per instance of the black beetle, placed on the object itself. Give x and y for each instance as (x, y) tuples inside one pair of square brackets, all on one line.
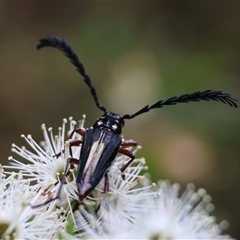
[(102, 142)]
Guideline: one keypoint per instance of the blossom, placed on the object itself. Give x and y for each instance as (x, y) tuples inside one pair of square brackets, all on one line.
[(46, 163), (179, 217), (17, 219), (134, 207), (160, 215)]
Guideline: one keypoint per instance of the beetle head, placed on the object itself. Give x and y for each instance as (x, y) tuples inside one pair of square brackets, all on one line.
[(112, 121)]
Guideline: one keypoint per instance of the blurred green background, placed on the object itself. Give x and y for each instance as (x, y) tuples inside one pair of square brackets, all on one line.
[(136, 54)]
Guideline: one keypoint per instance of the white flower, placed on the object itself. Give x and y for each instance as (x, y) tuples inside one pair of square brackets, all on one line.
[(17, 219), (116, 210), (166, 216), (174, 217), (133, 208), (46, 164)]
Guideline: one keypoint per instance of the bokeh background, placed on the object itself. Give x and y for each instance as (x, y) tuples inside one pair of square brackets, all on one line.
[(136, 54)]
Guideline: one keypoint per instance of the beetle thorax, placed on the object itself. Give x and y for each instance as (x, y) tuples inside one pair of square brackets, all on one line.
[(111, 121)]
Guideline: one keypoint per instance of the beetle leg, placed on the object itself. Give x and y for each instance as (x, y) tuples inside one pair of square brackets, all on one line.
[(73, 143), (80, 131), (128, 154), (128, 143), (70, 161), (76, 143), (106, 183)]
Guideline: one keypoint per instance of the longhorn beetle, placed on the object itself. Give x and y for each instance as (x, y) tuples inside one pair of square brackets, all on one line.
[(102, 142)]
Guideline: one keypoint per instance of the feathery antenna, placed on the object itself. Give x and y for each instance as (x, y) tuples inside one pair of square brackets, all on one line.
[(206, 95), (62, 45)]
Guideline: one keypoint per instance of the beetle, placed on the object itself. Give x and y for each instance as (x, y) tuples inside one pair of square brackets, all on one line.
[(102, 142)]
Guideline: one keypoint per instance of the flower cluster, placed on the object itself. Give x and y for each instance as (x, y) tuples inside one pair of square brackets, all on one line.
[(133, 208)]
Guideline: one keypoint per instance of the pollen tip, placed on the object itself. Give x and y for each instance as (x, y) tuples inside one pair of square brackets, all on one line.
[(142, 160), (141, 177), (65, 120), (22, 135), (25, 204), (202, 192), (191, 186), (81, 207)]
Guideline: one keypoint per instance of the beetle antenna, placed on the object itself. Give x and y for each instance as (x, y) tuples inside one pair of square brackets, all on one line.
[(206, 95), (62, 45)]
